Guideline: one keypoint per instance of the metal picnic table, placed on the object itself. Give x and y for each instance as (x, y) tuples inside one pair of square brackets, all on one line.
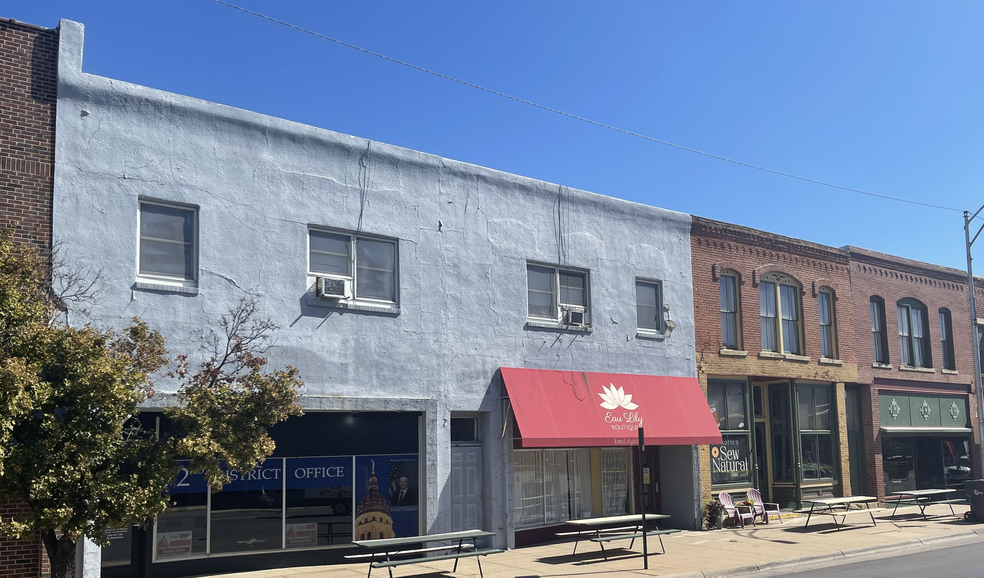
[(595, 526), (925, 498), (389, 547), (841, 507)]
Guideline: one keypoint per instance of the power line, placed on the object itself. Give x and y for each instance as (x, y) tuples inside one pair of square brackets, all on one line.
[(580, 118)]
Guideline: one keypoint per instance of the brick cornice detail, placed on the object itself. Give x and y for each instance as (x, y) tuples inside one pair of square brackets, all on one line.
[(817, 262), (908, 277)]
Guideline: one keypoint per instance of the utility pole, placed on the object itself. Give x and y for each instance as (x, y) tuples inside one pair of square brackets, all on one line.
[(973, 326)]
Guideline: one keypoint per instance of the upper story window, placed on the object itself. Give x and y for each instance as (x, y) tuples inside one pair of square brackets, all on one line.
[(364, 267), (730, 315), (879, 336), (946, 339), (914, 334), (168, 242), (779, 313), (828, 336), (558, 294), (649, 306)]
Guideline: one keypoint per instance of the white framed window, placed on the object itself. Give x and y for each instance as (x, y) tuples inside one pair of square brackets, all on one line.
[(946, 339), (913, 334), (730, 315), (367, 264), (557, 294), (828, 337), (649, 306), (879, 336), (167, 243), (779, 312)]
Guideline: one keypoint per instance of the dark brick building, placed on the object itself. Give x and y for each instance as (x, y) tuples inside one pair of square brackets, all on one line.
[(28, 87), (915, 367), (775, 353)]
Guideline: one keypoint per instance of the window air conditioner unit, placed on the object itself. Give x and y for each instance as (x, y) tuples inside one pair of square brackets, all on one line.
[(573, 315), (329, 288)]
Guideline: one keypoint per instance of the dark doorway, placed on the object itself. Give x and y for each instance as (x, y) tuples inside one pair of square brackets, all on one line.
[(762, 462), (855, 442), (650, 474), (929, 463)]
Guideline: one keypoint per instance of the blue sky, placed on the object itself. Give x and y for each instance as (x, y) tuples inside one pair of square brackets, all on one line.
[(885, 97)]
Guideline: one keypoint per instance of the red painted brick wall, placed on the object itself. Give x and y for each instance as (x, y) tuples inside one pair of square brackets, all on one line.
[(28, 87)]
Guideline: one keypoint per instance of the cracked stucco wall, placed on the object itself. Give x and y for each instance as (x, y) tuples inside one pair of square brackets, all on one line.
[(465, 236)]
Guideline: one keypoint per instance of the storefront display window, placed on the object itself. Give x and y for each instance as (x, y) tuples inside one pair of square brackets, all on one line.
[(552, 486), (956, 461), (247, 515), (730, 461), (614, 482), (182, 529), (528, 478), (919, 463), (898, 464), (816, 440), (319, 502)]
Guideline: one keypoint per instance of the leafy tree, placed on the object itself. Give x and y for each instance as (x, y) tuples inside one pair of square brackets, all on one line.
[(71, 444)]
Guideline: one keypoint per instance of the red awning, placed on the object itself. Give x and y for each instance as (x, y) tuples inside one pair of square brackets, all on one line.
[(579, 409)]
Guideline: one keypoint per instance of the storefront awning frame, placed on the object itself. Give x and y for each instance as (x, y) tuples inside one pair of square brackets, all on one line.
[(576, 409), (926, 431)]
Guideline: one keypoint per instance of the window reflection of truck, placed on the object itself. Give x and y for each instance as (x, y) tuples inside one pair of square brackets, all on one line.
[(958, 473), (338, 499)]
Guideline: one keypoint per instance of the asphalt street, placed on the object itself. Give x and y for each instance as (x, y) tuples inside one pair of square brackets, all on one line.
[(963, 560)]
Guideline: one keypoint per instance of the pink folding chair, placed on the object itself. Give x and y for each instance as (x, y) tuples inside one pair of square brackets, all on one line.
[(762, 509), (737, 514)]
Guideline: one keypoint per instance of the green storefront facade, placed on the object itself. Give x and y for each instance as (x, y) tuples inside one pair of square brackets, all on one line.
[(926, 440)]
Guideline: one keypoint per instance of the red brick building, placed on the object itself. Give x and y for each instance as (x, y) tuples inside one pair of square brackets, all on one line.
[(915, 367), (775, 354), (28, 87)]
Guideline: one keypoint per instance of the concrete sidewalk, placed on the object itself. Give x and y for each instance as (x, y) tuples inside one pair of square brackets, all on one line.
[(691, 554)]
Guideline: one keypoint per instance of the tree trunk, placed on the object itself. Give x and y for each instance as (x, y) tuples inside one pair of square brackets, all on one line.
[(61, 553)]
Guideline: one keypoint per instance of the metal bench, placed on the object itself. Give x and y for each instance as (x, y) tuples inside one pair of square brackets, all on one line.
[(390, 564), (389, 548)]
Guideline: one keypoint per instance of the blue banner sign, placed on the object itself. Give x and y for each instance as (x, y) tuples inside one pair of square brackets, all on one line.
[(319, 473)]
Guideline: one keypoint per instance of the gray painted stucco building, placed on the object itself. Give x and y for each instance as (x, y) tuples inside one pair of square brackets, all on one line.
[(188, 206)]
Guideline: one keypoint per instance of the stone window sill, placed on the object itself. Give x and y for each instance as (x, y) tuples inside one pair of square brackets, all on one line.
[(784, 356), (349, 306), (557, 326), (732, 353), (916, 369), (166, 288), (881, 366), (830, 361), (950, 371), (650, 335)]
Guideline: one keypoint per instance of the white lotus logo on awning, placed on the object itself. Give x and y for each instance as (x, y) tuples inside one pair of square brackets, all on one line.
[(615, 397)]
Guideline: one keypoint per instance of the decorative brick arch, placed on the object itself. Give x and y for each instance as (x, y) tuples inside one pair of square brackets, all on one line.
[(717, 268), (829, 283), (772, 268)]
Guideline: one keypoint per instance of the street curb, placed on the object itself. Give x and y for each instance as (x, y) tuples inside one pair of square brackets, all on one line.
[(747, 569)]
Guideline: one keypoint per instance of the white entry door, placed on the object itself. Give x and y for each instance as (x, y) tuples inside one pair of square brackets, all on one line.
[(466, 488)]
